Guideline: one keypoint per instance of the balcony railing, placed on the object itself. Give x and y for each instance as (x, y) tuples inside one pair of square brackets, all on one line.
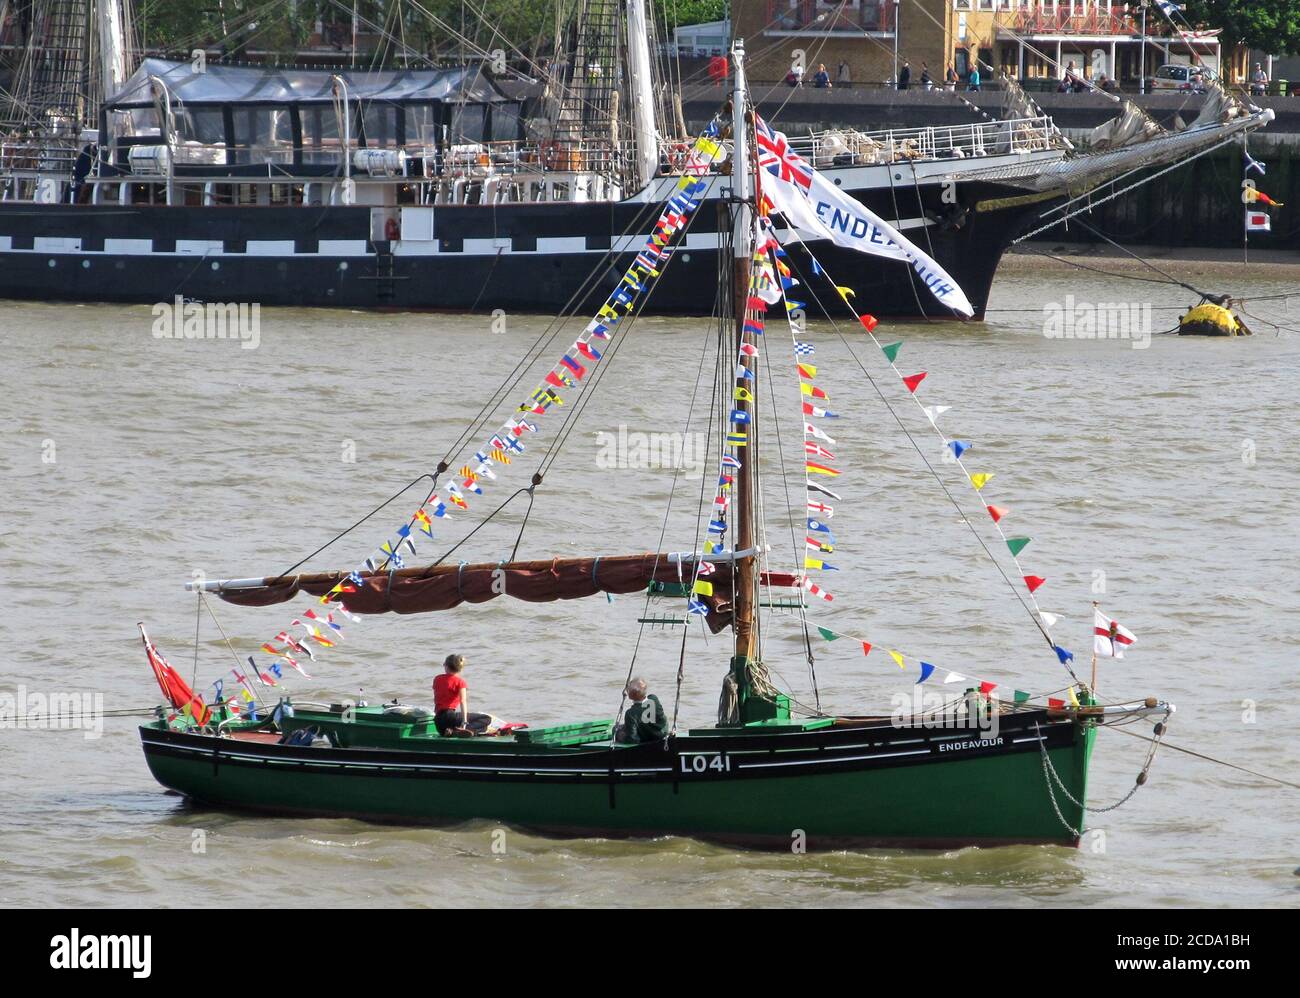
[(817, 15), (1038, 21)]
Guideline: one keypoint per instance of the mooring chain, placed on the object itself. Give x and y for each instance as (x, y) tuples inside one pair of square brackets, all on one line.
[(1051, 795), (1050, 775)]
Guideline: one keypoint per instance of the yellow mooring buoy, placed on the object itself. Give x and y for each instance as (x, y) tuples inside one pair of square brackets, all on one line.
[(1211, 318)]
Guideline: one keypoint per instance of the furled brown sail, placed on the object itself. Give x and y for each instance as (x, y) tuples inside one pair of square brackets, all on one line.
[(442, 587)]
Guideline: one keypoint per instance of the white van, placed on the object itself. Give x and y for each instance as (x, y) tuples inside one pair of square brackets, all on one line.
[(1180, 76)]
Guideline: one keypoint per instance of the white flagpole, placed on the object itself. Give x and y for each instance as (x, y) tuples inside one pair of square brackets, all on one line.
[(1094, 647)]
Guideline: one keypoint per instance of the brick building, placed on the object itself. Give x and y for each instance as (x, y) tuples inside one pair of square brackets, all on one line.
[(1026, 39)]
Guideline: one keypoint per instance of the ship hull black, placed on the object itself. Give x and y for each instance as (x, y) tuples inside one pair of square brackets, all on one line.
[(519, 258)]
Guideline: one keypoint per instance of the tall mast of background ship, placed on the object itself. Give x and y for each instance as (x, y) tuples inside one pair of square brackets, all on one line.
[(645, 136), (56, 85), (112, 45)]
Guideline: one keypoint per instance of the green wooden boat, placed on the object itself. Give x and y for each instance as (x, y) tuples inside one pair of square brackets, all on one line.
[(829, 783), (975, 771)]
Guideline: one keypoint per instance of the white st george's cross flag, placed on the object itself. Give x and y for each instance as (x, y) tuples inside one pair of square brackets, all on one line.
[(1110, 640), (818, 208)]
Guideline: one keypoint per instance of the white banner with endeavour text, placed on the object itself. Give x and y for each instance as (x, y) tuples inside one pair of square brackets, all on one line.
[(820, 210)]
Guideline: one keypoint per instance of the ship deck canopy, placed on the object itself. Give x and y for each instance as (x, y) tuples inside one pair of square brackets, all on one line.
[(277, 85), (229, 120)]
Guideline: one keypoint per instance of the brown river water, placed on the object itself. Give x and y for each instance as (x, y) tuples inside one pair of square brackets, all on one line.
[(1159, 475)]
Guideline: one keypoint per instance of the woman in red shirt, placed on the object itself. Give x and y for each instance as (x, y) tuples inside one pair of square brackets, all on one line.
[(451, 701)]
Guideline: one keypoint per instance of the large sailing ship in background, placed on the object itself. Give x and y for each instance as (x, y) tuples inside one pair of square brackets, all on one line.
[(140, 179)]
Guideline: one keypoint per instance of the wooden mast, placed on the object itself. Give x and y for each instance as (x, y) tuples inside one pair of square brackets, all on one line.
[(746, 589)]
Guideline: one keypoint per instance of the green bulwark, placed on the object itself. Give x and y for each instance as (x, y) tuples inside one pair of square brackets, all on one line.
[(379, 727), (579, 733), (363, 727)]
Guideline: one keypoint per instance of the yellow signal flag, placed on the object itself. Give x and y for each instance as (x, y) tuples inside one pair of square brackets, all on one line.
[(1073, 699), (897, 658), (499, 456), (743, 394), (845, 293), (703, 588), (806, 370), (980, 480), (812, 563), (248, 697)]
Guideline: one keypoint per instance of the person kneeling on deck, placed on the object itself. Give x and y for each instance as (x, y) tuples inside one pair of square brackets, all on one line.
[(451, 714), (644, 720)]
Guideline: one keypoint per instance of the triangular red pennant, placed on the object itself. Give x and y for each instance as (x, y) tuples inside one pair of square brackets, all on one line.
[(1053, 702), (868, 322), (913, 381), (997, 512), (866, 648), (1033, 582), (987, 688)]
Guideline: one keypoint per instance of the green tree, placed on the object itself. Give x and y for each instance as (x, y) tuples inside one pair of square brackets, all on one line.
[(236, 26), (1268, 25), (432, 26), (681, 12)]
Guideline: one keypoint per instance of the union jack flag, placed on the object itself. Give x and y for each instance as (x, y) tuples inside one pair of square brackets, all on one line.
[(776, 156)]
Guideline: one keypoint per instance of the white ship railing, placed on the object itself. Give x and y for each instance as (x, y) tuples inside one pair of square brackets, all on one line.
[(849, 147), (27, 170)]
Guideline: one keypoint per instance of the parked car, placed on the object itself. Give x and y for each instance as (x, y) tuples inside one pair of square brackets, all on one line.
[(1179, 76)]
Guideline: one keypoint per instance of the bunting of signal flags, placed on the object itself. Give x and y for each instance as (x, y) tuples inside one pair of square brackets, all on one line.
[(764, 289), (926, 672), (322, 629), (816, 456)]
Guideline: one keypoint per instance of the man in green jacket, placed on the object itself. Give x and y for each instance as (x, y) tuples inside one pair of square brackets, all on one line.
[(644, 720)]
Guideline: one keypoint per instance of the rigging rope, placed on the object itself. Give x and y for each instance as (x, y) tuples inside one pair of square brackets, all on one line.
[(663, 527), (797, 553), (1124, 190), (926, 461), (204, 603), (1208, 758), (506, 387)]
